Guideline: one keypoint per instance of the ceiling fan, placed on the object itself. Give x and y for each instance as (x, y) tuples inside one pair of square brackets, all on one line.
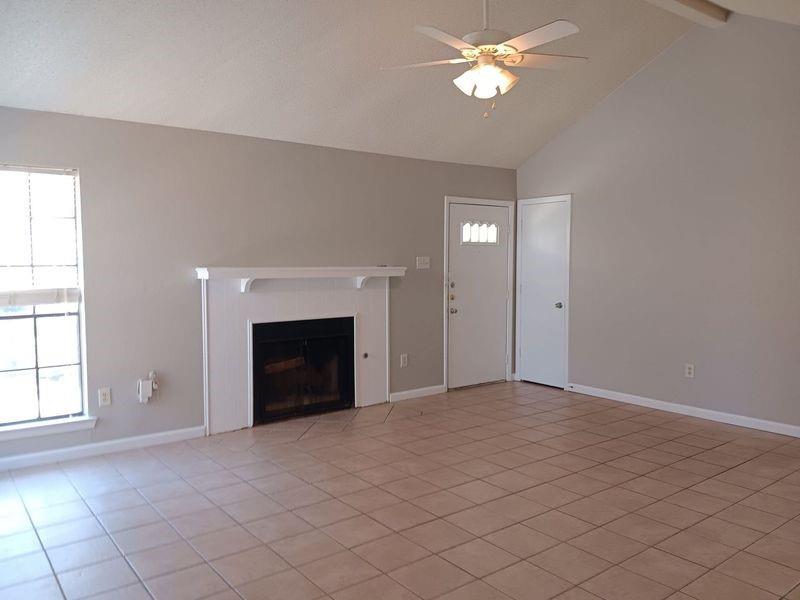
[(486, 50)]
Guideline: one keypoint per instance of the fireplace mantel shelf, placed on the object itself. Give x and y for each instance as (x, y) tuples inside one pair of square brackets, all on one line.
[(247, 275)]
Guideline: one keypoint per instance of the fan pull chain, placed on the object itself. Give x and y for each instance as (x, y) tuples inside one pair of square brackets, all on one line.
[(490, 106)]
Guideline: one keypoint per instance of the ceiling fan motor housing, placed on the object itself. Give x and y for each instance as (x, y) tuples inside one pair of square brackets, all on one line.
[(488, 42), (486, 37), (485, 59)]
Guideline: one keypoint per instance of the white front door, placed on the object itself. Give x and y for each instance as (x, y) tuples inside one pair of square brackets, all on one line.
[(478, 244), (542, 289)]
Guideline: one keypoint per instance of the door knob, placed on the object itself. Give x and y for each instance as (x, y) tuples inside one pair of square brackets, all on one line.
[(559, 305), (453, 311)]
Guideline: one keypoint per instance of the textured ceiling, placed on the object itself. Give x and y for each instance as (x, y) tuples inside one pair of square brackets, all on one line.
[(308, 70), (787, 11)]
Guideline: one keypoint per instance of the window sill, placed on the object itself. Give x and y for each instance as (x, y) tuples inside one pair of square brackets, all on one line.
[(35, 429)]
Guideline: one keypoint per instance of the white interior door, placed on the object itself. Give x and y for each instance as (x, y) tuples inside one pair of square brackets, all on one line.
[(542, 289), (478, 280)]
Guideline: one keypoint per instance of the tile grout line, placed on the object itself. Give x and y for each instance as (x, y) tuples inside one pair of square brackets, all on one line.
[(349, 428), (182, 537), (650, 504), (111, 538), (655, 500), (39, 539)]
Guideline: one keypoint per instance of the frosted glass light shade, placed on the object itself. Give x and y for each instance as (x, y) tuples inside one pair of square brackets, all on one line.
[(484, 81), (507, 80), (485, 90), (465, 82)]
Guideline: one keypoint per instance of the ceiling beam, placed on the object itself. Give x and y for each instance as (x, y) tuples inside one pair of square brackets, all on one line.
[(787, 11), (700, 11)]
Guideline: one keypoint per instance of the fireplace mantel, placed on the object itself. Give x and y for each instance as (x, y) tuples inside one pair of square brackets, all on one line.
[(231, 309), (247, 275)]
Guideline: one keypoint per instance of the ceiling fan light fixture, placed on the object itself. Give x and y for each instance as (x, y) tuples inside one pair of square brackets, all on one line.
[(489, 50), (485, 79), (485, 89), (507, 80), (466, 82)]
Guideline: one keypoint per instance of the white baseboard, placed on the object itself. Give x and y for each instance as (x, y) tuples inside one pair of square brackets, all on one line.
[(692, 411), (417, 393), (32, 459)]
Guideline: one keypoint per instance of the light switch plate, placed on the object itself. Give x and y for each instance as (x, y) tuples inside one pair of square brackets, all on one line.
[(423, 262), (104, 396)]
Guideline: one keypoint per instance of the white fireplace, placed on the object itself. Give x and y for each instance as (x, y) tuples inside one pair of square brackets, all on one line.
[(233, 299)]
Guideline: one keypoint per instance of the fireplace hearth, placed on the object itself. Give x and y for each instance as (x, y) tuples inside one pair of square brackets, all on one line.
[(302, 367)]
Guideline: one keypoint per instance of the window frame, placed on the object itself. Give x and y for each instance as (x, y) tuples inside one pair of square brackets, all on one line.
[(68, 295)]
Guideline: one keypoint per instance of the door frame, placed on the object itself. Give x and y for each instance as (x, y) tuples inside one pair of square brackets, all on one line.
[(527, 202), (511, 205)]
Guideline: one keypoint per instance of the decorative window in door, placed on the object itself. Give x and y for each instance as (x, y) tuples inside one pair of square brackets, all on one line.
[(474, 232)]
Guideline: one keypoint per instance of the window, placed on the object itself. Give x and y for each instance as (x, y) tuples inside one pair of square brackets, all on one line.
[(40, 349), (479, 233)]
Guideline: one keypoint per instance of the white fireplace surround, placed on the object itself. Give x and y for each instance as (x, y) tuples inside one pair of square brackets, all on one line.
[(235, 298)]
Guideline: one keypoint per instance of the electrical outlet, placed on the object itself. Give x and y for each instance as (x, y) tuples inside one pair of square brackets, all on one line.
[(104, 396), (403, 361), (688, 370)]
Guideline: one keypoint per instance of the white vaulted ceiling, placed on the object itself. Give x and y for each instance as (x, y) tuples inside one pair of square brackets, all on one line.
[(308, 70)]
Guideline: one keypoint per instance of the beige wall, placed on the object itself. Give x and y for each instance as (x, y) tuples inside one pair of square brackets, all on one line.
[(158, 201), (686, 224)]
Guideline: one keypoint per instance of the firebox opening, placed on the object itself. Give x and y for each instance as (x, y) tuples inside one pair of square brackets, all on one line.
[(302, 367)]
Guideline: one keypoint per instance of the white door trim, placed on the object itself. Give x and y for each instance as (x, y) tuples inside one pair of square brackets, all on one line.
[(543, 200), (511, 205)]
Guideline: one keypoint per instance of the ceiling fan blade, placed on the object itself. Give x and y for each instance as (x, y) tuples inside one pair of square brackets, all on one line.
[(448, 61), (552, 62), (444, 37), (547, 33)]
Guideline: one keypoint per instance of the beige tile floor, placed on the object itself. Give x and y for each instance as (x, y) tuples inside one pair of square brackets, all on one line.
[(503, 491)]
